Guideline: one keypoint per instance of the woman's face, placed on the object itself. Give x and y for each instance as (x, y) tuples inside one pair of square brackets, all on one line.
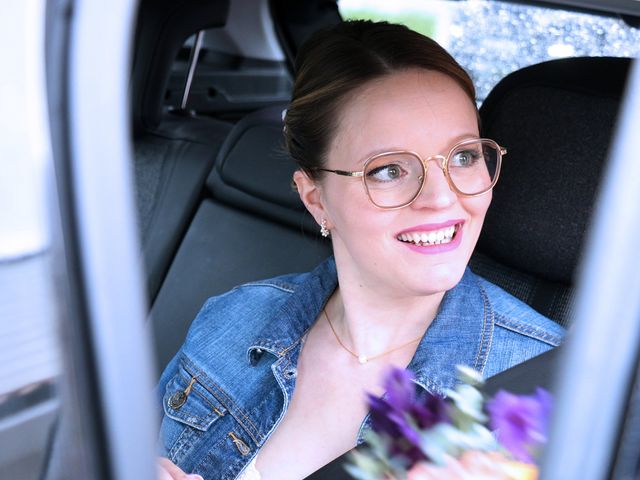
[(425, 112)]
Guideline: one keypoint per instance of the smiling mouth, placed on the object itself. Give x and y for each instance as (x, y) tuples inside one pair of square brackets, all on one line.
[(432, 237)]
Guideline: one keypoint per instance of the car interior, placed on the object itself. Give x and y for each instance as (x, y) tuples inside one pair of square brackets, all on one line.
[(216, 206), (215, 202)]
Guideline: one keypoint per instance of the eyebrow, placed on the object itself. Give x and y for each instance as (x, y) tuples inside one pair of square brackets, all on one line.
[(458, 139)]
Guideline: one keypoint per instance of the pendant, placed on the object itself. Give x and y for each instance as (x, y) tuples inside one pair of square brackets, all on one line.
[(362, 359)]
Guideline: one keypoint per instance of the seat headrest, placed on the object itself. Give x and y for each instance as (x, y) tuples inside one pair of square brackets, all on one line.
[(556, 120), (253, 171), (162, 28)]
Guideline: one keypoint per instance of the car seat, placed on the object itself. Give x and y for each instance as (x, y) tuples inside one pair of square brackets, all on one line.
[(556, 120), (251, 225), (295, 21), (173, 151)]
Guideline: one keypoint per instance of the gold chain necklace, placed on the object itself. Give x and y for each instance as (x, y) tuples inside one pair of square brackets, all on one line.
[(363, 358)]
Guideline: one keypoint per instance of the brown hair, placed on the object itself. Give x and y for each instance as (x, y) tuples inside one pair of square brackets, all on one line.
[(335, 62)]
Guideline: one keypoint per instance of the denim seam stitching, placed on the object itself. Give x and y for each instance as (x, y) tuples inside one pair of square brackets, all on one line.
[(237, 408), (187, 438), (485, 345), (286, 349), (209, 459), (431, 385), (213, 406), (283, 288), (203, 422), (533, 332)]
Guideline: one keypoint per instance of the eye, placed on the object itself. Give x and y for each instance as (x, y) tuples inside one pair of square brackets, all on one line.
[(465, 158), (386, 173)]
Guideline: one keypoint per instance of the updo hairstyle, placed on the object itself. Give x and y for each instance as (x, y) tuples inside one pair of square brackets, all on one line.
[(335, 62)]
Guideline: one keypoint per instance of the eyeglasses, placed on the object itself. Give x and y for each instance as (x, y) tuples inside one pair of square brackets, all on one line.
[(394, 180)]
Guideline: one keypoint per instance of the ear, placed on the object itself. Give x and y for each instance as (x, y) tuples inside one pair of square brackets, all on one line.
[(311, 195)]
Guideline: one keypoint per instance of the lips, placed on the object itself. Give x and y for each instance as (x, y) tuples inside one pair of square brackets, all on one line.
[(431, 234), (432, 239)]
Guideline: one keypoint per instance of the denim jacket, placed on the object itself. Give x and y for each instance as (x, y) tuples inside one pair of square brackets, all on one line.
[(229, 386)]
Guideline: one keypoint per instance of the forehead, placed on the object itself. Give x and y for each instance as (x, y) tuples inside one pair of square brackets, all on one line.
[(420, 110)]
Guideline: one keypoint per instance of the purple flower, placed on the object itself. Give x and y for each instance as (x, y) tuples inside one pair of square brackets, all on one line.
[(400, 415), (430, 411), (521, 421), (401, 390)]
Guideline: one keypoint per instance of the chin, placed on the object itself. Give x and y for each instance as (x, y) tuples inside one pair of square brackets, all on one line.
[(441, 278)]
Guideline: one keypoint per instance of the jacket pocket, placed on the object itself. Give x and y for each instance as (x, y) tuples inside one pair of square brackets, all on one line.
[(187, 401)]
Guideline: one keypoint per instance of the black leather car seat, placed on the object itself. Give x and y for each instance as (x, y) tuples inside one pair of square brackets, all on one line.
[(173, 153), (556, 120), (251, 225)]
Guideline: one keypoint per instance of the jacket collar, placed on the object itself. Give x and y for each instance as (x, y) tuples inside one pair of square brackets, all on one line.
[(299, 313), (459, 335)]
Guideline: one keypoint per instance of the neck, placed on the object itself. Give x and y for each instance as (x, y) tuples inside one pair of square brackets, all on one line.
[(371, 321)]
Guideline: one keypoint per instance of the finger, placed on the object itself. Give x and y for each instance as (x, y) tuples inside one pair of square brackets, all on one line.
[(163, 474), (167, 467), (170, 471)]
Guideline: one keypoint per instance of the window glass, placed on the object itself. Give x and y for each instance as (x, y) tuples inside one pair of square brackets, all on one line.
[(492, 38), (28, 346), (30, 353)]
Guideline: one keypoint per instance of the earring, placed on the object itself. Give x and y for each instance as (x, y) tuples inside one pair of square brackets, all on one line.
[(324, 231)]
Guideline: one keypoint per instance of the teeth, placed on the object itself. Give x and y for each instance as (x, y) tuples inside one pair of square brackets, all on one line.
[(435, 237)]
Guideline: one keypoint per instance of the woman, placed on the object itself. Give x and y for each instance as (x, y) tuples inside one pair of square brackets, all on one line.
[(384, 126)]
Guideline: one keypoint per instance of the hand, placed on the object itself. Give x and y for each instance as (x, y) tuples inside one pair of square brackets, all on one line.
[(167, 470)]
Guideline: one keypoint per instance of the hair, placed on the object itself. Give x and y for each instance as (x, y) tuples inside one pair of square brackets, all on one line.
[(336, 62)]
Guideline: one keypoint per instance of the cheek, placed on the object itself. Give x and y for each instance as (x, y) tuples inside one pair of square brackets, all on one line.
[(477, 208), (346, 201), (353, 214)]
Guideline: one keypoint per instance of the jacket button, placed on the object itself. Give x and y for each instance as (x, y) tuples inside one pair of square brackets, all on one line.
[(290, 373), (177, 400)]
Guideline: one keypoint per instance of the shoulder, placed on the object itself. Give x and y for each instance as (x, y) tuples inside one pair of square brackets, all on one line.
[(519, 332), (226, 322), (247, 306), (267, 291), (276, 309), (227, 363), (518, 317), (271, 291)]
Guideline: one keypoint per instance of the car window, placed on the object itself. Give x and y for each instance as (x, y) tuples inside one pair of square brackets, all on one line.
[(492, 39), (231, 78), (30, 353)]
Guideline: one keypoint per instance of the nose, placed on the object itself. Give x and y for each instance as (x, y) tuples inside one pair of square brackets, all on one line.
[(436, 192)]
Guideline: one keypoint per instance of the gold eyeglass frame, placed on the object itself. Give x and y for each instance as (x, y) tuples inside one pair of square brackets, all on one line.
[(425, 167)]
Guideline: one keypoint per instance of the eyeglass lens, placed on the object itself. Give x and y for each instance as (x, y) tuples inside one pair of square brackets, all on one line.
[(394, 179)]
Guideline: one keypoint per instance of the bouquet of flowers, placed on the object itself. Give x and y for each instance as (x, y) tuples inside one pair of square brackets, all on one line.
[(464, 437)]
